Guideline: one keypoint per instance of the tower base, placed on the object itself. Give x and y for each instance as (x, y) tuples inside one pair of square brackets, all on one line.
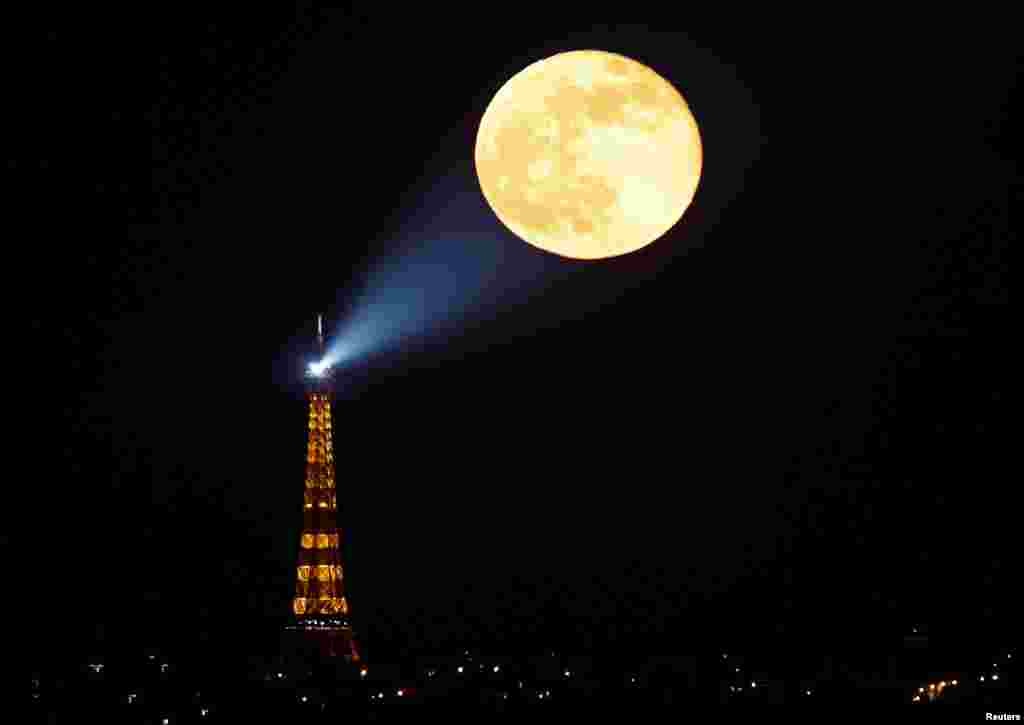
[(327, 643)]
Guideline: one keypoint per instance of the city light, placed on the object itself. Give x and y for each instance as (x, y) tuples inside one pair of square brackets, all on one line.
[(538, 686), (928, 692), (935, 689)]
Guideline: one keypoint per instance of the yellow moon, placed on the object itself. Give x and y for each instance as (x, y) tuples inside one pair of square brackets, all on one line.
[(588, 154)]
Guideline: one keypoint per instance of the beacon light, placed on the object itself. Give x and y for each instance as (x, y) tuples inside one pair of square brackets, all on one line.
[(317, 369)]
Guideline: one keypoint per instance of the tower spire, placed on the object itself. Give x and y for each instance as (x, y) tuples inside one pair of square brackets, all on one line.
[(320, 334)]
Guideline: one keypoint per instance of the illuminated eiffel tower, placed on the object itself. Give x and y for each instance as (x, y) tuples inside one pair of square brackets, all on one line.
[(320, 608)]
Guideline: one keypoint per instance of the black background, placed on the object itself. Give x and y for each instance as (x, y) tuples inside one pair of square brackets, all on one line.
[(794, 427)]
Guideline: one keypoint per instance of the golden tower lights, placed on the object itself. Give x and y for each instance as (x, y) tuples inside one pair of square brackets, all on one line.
[(319, 607)]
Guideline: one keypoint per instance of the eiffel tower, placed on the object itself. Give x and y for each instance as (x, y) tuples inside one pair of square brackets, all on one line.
[(320, 608)]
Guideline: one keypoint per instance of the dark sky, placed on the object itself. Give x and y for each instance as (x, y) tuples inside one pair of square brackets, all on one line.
[(786, 416)]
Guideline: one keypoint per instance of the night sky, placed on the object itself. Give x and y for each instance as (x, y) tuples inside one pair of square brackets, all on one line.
[(786, 418)]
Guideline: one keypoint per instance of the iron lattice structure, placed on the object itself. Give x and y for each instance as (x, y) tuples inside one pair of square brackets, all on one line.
[(319, 606)]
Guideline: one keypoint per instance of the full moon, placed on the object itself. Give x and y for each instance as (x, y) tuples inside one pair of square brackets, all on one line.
[(588, 154)]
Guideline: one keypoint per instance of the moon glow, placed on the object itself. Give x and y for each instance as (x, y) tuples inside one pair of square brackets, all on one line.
[(588, 154)]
